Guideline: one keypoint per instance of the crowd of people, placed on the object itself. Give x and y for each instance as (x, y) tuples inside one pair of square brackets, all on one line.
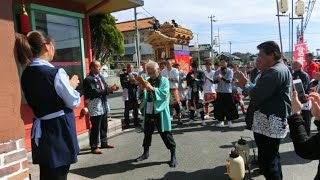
[(157, 92), (191, 93)]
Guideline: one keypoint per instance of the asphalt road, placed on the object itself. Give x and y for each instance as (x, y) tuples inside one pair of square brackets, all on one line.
[(201, 152)]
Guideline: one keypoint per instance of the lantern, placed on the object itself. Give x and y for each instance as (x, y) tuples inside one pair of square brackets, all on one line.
[(283, 6), (24, 20), (196, 46), (216, 41), (300, 7)]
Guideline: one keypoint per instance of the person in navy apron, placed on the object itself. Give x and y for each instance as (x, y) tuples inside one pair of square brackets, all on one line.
[(52, 97)]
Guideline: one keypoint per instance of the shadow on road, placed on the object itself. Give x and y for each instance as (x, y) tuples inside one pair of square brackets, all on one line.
[(218, 173), (186, 129), (119, 167)]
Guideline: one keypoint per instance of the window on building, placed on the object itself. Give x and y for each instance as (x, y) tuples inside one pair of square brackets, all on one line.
[(66, 33)]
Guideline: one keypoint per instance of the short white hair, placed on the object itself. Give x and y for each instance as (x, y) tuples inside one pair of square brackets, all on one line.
[(153, 65)]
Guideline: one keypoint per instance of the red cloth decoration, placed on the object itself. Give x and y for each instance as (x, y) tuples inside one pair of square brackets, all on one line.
[(24, 21)]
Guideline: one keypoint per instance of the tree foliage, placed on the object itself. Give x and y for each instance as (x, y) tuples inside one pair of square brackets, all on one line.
[(245, 57), (106, 39)]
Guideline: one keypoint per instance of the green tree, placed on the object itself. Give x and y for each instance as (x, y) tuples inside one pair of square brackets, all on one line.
[(244, 57), (106, 39)]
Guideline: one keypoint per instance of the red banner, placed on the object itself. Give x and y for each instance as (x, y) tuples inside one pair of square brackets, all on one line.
[(183, 59), (300, 51)]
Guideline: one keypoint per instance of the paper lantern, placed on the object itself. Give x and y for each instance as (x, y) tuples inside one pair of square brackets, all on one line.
[(24, 20), (216, 41), (283, 6), (300, 7)]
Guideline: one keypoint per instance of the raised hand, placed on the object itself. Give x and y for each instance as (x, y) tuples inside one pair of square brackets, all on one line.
[(149, 87), (242, 80), (315, 108), (74, 81), (296, 105)]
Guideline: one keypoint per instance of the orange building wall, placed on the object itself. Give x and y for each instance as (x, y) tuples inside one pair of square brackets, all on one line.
[(11, 125)]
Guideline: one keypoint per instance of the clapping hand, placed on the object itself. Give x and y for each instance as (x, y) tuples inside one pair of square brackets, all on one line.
[(149, 87), (296, 105), (315, 109), (219, 76), (112, 88), (74, 81), (242, 80), (133, 81), (316, 75)]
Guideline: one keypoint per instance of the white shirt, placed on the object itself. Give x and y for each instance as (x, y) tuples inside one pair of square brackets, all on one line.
[(208, 86), (173, 74)]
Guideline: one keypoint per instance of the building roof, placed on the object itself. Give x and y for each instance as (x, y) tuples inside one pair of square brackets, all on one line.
[(109, 6), (129, 25)]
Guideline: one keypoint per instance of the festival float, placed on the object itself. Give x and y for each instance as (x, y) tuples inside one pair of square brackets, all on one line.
[(171, 41)]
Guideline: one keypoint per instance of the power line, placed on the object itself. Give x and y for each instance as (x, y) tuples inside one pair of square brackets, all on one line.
[(147, 11)]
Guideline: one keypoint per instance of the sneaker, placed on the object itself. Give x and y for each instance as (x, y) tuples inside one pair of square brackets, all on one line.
[(230, 124), (206, 117), (220, 124), (130, 114), (203, 123), (171, 118), (190, 122), (184, 112), (174, 113), (139, 112)]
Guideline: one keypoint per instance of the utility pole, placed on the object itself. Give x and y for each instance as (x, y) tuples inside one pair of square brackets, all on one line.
[(292, 29), (211, 38), (199, 60), (219, 40), (290, 55), (137, 37), (298, 32), (279, 27), (301, 33), (230, 51)]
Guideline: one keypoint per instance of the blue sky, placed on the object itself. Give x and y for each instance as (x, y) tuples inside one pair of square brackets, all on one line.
[(244, 23)]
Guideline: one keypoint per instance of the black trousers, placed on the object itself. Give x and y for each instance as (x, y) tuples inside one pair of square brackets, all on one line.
[(176, 107), (99, 126), (183, 103), (128, 105), (225, 107), (307, 120), (268, 156), (166, 136), (60, 173)]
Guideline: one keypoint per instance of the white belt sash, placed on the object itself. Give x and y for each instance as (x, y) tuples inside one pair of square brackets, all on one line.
[(36, 129)]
